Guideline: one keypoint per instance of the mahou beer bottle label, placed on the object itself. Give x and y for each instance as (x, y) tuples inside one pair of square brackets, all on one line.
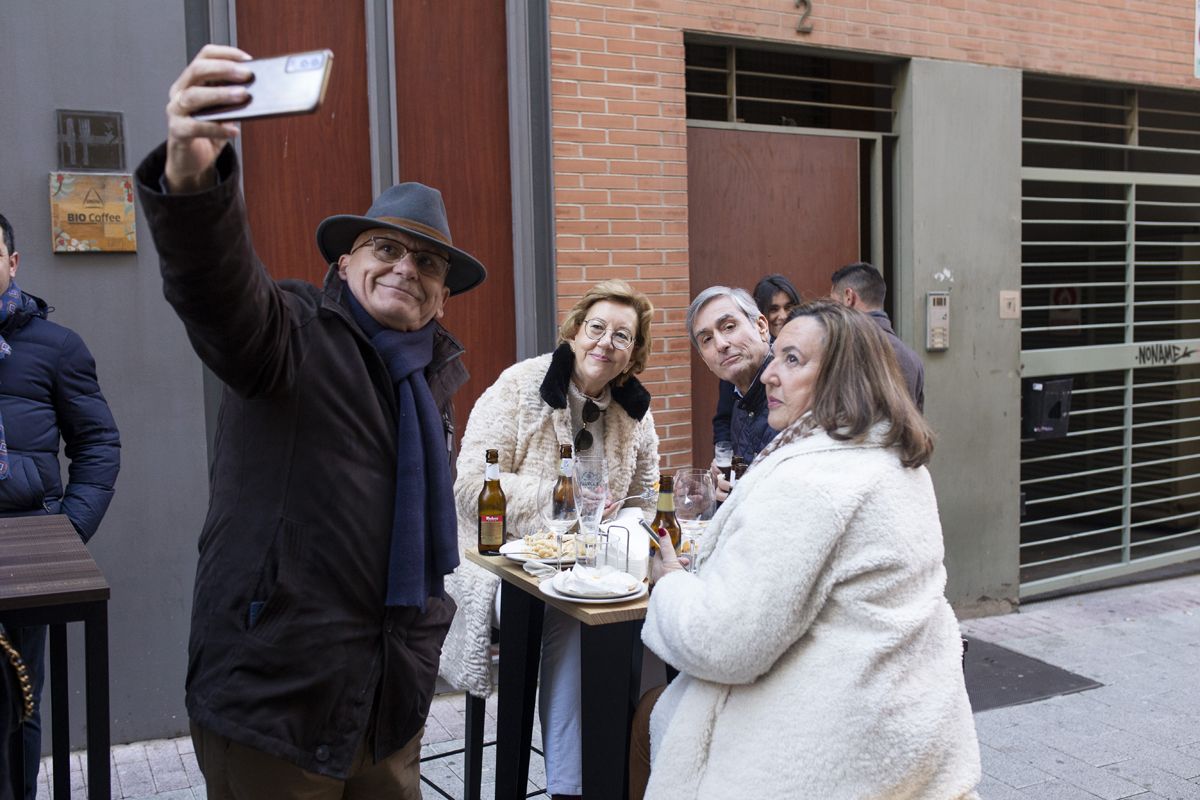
[(491, 529)]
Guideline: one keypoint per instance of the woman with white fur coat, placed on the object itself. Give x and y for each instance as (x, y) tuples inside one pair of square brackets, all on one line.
[(583, 393), (818, 656)]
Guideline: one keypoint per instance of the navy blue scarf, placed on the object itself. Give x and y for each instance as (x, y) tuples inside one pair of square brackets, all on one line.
[(11, 302), (425, 523)]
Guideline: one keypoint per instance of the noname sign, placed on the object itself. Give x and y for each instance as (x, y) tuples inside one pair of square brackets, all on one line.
[(92, 212)]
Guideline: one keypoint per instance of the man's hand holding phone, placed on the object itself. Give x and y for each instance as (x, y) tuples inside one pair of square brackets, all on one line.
[(214, 78)]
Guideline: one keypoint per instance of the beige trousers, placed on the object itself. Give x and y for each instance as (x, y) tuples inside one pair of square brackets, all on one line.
[(235, 772)]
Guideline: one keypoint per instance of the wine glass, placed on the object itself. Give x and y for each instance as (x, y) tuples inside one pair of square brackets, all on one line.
[(591, 497), (695, 496), (556, 511)]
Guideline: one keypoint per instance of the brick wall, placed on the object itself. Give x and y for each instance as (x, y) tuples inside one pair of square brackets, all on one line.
[(620, 156)]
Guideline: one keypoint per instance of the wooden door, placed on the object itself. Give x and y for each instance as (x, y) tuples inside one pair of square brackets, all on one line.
[(452, 126), (452, 132), (760, 203), (299, 170)]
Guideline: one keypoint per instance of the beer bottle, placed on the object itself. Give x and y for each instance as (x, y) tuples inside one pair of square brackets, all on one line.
[(665, 518), (564, 490), (492, 523)]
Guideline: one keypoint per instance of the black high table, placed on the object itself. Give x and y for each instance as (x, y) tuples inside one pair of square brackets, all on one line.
[(47, 577), (611, 655)]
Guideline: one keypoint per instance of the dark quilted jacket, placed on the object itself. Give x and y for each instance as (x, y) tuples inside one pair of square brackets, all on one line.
[(48, 389)]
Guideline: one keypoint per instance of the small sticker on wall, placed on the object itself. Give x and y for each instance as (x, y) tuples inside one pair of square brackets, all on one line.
[(1196, 39)]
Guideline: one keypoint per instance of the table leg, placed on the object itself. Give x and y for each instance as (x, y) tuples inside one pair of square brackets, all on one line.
[(520, 645), (95, 637), (60, 746), (473, 748), (611, 678)]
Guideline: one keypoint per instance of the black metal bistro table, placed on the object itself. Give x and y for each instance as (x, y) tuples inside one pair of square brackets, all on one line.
[(611, 655), (47, 577)]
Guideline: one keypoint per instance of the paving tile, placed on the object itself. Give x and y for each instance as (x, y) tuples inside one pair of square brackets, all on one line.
[(991, 789), (1072, 771), (128, 753), (1013, 771), (1057, 790), (135, 779), (1169, 759), (181, 794), (1156, 780)]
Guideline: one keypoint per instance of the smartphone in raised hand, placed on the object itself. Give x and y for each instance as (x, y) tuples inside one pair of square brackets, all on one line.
[(289, 84)]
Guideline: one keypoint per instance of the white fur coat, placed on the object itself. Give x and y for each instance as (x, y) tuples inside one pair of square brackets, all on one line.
[(818, 656), (512, 417)]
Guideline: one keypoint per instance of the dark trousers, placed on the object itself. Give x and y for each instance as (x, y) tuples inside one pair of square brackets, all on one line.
[(11, 707), (33, 653)]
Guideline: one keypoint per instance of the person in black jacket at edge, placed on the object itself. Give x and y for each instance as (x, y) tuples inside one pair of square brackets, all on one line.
[(318, 614), (48, 391)]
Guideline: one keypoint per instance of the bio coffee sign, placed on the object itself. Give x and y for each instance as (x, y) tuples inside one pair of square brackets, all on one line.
[(92, 212)]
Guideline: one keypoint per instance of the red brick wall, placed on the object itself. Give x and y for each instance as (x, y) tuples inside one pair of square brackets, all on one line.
[(620, 156)]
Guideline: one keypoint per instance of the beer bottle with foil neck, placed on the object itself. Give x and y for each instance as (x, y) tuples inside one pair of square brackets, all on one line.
[(493, 525), (564, 489), (665, 517)]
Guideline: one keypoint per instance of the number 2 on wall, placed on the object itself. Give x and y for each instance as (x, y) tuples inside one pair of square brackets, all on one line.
[(804, 26)]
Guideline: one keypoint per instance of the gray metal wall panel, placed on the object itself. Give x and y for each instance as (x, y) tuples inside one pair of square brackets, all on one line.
[(120, 57), (958, 206)]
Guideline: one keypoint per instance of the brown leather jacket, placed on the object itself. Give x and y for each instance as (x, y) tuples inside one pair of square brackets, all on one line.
[(291, 647)]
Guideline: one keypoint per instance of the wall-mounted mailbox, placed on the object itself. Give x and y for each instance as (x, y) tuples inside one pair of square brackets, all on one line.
[(1047, 408)]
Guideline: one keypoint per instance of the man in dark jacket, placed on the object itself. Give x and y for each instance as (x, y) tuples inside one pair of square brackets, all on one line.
[(733, 338), (48, 390), (318, 613), (861, 286)]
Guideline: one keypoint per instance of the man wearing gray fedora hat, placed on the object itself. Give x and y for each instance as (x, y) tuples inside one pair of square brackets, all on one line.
[(318, 611)]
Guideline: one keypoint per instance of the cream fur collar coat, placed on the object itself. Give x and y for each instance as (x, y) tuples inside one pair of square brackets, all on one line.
[(818, 656), (512, 416)]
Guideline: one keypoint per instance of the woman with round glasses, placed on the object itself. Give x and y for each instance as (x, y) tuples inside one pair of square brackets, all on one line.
[(584, 394)]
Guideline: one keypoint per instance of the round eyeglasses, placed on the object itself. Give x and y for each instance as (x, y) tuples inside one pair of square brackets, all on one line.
[(390, 251), (596, 328)]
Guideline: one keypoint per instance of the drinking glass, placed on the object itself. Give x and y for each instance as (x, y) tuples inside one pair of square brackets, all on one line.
[(557, 514), (695, 496), (591, 497), (723, 456)]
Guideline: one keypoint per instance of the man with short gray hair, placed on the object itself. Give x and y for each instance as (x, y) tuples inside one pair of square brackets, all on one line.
[(733, 338)]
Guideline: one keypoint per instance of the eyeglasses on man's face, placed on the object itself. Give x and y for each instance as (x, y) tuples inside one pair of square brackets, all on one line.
[(596, 328), (391, 251)]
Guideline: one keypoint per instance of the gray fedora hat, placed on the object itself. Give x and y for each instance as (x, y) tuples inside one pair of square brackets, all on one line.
[(415, 209)]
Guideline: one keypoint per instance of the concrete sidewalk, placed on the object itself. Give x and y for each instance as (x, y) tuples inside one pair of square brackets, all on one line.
[(1136, 736)]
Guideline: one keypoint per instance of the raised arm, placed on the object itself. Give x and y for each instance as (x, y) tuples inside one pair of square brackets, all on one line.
[(235, 316)]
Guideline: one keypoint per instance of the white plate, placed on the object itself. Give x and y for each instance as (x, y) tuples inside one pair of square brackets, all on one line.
[(548, 589), (564, 589), (518, 551)]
